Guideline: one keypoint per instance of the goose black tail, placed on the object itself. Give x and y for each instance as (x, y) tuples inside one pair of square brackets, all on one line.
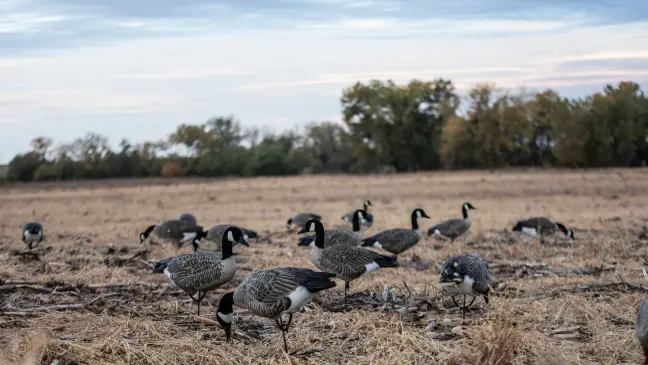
[(319, 281), (161, 265), (368, 242), (305, 241), (386, 261)]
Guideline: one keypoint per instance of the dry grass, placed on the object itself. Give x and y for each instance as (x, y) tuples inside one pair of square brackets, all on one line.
[(91, 228)]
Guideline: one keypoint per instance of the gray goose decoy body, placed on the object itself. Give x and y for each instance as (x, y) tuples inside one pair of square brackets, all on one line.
[(333, 237), (369, 219), (641, 328), (453, 228), (32, 232), (300, 219), (272, 293), (465, 275), (175, 231), (346, 262), (215, 233), (542, 225), (189, 219), (200, 272), (398, 240)]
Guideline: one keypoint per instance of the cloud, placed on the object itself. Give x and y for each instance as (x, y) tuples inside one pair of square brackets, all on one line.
[(137, 69)]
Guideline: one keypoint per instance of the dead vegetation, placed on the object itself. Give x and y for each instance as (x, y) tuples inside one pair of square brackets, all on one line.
[(88, 296)]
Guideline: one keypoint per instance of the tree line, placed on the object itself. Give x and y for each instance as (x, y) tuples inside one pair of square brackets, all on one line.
[(423, 125)]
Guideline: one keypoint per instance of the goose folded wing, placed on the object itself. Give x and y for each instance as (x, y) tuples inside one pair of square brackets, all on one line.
[(265, 291), (194, 269), (348, 261)]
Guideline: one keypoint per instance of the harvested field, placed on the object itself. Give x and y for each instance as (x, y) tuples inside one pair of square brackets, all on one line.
[(90, 297)]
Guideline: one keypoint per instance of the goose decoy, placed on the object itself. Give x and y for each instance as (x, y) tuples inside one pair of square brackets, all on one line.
[(189, 219), (345, 261), (369, 219), (543, 225), (301, 218), (465, 275), (32, 232), (398, 240), (215, 233), (333, 237), (175, 231), (273, 293), (641, 328), (200, 272), (453, 228)]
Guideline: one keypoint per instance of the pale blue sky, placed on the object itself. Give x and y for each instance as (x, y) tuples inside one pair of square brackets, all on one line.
[(136, 69)]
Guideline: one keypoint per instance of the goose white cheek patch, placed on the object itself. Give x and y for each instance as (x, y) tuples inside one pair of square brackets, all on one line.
[(312, 228), (230, 236)]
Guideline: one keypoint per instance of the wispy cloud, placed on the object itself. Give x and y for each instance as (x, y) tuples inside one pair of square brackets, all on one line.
[(77, 65)]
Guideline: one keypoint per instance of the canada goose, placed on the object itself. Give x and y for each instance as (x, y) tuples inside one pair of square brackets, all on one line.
[(369, 219), (200, 272), (333, 237), (398, 240), (189, 219), (346, 262), (641, 328), (301, 218), (465, 275), (32, 232), (175, 231), (453, 228), (272, 293), (543, 225)]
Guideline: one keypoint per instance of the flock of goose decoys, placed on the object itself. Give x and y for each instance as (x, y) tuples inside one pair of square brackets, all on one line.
[(337, 253)]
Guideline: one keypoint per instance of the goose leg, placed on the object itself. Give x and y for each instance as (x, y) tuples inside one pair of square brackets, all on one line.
[(284, 327), (463, 309), (201, 295), (347, 286), (195, 245)]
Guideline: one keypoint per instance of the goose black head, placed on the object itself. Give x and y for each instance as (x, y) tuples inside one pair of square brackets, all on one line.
[(419, 213), (225, 314), (467, 206), (450, 273), (234, 234), (144, 235), (568, 232), (367, 203), (311, 225), (288, 223)]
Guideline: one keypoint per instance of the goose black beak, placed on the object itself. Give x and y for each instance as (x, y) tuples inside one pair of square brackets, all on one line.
[(243, 241), (426, 216), (303, 230)]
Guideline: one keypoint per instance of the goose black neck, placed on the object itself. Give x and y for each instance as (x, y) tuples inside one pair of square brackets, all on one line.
[(226, 247), (464, 210), (356, 221), (365, 206), (319, 234), (414, 220)]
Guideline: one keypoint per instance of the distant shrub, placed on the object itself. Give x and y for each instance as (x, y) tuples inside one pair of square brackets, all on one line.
[(45, 172), (171, 169)]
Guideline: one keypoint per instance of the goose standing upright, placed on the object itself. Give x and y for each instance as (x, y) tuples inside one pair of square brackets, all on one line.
[(200, 272), (369, 218), (453, 228), (465, 275), (32, 232), (541, 225), (346, 262), (300, 219), (273, 293), (398, 240), (333, 237), (175, 231), (641, 328)]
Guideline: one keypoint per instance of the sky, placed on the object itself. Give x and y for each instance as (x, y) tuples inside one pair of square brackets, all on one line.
[(137, 69)]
